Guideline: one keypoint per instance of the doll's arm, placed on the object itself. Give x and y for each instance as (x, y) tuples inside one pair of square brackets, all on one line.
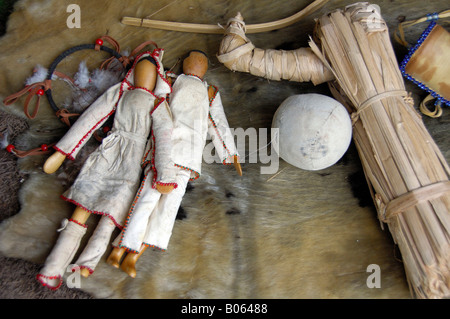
[(162, 126), (220, 132), (52, 164), (91, 119)]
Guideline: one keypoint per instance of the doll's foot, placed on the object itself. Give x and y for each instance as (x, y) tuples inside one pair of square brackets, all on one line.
[(85, 272), (129, 263), (165, 189), (115, 257)]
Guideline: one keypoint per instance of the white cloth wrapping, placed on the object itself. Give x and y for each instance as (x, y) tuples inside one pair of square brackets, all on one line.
[(151, 220), (97, 245), (62, 254)]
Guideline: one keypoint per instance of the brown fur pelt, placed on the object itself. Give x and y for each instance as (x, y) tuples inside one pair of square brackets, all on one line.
[(293, 234)]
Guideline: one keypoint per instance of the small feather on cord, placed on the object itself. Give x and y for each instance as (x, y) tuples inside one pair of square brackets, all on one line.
[(39, 75), (82, 77)]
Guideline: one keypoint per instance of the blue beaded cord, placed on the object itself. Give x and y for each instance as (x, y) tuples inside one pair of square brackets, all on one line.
[(439, 99)]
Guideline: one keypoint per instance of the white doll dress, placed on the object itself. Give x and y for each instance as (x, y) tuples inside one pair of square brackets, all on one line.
[(110, 177)]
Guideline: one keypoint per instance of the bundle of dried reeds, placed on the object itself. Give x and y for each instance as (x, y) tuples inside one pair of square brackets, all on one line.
[(405, 170)]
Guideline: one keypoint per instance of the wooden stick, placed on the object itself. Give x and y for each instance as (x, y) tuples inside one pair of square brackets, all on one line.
[(216, 29)]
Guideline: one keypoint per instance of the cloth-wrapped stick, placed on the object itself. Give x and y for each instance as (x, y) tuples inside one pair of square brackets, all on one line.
[(238, 53)]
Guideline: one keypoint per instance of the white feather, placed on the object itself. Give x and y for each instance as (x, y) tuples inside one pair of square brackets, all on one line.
[(82, 77), (39, 75)]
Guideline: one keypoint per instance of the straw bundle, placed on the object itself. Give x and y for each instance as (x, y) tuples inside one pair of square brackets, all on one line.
[(405, 170), (407, 174)]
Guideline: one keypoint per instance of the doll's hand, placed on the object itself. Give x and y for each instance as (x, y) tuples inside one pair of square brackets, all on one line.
[(52, 164), (164, 189), (237, 165)]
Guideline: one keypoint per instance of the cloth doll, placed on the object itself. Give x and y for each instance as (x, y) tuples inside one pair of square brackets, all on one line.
[(196, 110), (111, 175)]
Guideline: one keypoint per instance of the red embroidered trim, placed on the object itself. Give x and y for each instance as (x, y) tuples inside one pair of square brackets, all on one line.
[(229, 158), (152, 161), (154, 246), (91, 271), (197, 174), (143, 161), (64, 153), (216, 90), (156, 106), (78, 223), (93, 128), (193, 75), (40, 277), (129, 250), (130, 212), (175, 185), (92, 211), (154, 54)]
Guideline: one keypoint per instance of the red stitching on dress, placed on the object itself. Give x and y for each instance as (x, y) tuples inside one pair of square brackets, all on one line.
[(154, 246), (156, 106), (158, 66), (92, 129), (133, 251), (77, 222), (92, 211), (91, 271), (130, 212), (175, 185), (216, 90), (229, 158), (40, 277), (197, 175), (64, 153)]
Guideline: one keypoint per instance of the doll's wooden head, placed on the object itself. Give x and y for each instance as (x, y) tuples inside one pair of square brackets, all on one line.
[(145, 73), (196, 63)]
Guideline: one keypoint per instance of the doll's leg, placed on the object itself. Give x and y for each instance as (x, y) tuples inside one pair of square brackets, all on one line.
[(163, 219), (64, 250), (160, 222), (96, 246), (132, 235)]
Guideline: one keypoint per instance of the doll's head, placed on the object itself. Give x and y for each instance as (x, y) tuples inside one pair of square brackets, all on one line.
[(196, 63), (145, 73)]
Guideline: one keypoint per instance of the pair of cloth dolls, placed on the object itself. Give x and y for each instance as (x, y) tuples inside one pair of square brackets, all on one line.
[(137, 177)]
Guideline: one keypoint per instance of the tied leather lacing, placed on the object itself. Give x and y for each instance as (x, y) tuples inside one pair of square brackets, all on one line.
[(35, 89)]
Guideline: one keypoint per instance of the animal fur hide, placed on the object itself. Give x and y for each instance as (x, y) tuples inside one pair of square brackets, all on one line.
[(290, 234)]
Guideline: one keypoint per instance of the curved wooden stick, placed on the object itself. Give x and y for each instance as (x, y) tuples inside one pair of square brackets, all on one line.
[(216, 29)]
